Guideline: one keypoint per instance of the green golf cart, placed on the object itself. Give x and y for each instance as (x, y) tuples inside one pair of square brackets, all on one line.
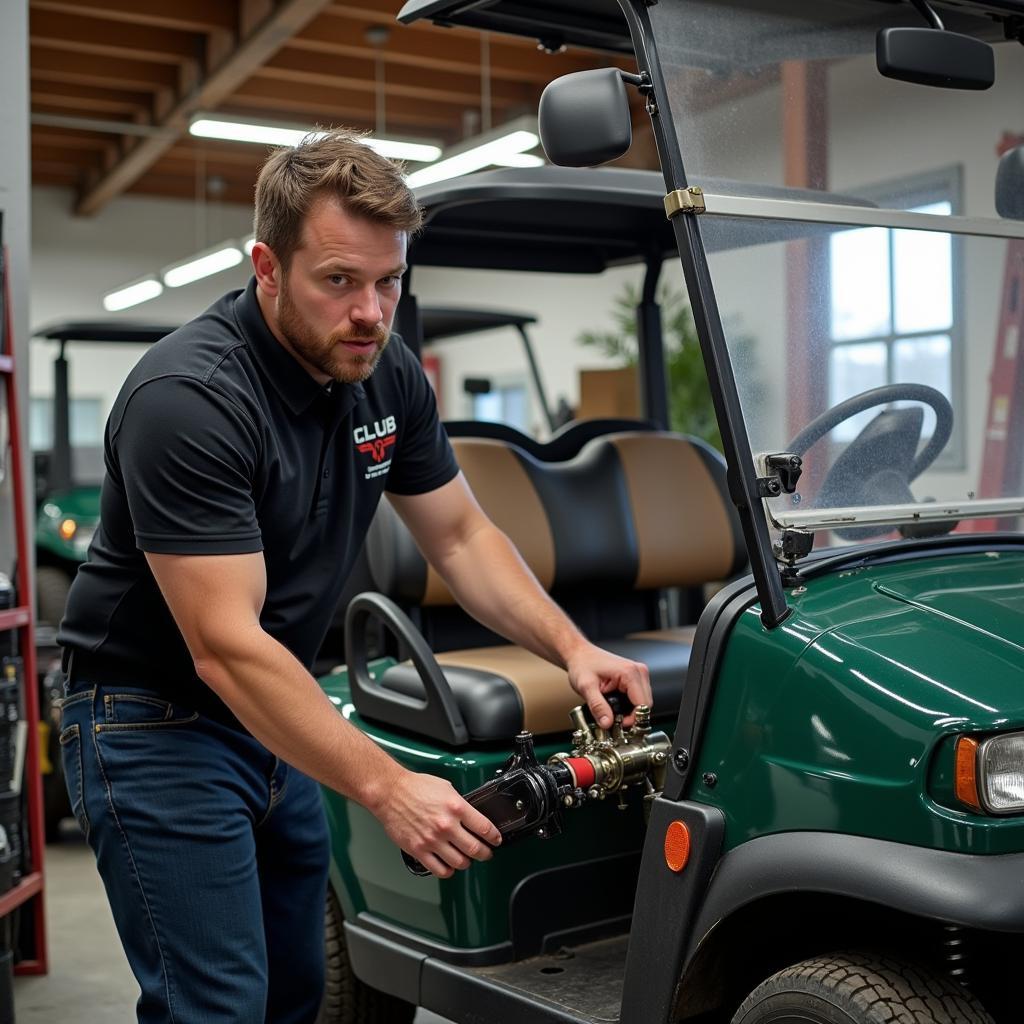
[(821, 818)]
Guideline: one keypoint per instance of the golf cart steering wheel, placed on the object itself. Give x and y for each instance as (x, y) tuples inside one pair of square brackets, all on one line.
[(877, 466)]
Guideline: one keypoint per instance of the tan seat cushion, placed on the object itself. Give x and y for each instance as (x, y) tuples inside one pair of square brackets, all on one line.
[(503, 690)]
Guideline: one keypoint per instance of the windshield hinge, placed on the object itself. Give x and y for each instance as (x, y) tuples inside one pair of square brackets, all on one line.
[(781, 474), (791, 546), (684, 200)]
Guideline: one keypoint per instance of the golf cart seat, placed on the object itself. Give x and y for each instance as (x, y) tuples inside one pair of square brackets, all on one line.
[(564, 443), (604, 532)]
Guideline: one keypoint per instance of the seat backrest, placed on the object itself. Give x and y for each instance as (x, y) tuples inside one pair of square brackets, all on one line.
[(633, 511), (564, 444)]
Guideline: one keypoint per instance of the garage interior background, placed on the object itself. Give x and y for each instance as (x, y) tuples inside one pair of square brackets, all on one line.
[(108, 209)]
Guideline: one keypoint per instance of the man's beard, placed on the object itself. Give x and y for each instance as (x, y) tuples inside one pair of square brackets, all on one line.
[(324, 353)]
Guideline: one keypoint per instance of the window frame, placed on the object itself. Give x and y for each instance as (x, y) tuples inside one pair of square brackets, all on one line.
[(940, 185)]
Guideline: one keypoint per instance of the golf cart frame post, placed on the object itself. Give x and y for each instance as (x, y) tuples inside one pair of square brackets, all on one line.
[(743, 487)]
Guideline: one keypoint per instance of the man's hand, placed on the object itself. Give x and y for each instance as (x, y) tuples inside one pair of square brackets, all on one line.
[(427, 818), (593, 672)]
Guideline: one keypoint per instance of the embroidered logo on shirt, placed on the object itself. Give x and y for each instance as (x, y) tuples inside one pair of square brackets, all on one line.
[(377, 448), (375, 439)]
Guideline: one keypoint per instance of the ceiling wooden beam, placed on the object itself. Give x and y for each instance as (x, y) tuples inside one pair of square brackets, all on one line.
[(86, 69), (252, 50), (52, 98), (183, 15), (68, 139), (360, 75), (91, 35), (337, 106)]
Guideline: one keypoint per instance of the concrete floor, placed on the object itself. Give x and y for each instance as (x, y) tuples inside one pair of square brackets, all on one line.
[(89, 980)]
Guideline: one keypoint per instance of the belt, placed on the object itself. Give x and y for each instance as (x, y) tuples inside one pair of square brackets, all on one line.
[(84, 665), (186, 690)]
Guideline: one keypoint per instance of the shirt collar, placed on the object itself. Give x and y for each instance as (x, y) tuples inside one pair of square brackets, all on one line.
[(287, 375)]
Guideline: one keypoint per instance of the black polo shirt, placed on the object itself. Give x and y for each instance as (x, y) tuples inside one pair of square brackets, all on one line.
[(221, 443)]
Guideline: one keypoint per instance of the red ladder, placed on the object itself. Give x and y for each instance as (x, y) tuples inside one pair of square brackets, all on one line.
[(31, 885), (1003, 444)]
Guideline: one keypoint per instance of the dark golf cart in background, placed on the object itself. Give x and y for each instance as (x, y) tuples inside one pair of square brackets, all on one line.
[(67, 491), (68, 480), (822, 817)]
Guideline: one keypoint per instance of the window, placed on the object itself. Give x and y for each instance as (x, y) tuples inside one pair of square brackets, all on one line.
[(85, 423), (893, 311), (503, 404)]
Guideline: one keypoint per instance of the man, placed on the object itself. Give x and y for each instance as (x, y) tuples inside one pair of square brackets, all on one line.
[(233, 508)]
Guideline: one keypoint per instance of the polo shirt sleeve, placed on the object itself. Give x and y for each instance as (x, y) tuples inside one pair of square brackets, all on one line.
[(424, 460), (187, 458)]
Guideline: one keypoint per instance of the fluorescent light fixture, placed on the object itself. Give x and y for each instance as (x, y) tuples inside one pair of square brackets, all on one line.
[(220, 258), (279, 133), (248, 244), (521, 160), (132, 294), (510, 140), (395, 149), (246, 131)]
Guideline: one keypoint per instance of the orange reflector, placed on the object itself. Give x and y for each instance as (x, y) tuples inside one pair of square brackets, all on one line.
[(677, 846), (966, 787), (68, 529)]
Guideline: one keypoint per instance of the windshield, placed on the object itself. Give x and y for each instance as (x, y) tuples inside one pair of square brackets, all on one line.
[(787, 93), (826, 292), (909, 336)]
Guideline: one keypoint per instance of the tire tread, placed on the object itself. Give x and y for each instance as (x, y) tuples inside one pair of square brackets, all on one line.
[(871, 989), (347, 1000)]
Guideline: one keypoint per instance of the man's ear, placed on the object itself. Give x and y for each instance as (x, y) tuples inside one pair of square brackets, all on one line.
[(267, 269)]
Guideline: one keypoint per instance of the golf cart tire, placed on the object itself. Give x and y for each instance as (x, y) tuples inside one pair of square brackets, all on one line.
[(52, 586), (347, 1000), (857, 988)]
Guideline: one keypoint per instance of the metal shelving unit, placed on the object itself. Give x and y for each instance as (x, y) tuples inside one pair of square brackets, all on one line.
[(30, 887)]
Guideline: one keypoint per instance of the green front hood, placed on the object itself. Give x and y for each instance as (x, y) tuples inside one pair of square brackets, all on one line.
[(843, 718), (951, 635)]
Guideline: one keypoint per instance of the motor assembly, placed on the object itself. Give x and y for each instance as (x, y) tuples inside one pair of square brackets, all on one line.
[(526, 797)]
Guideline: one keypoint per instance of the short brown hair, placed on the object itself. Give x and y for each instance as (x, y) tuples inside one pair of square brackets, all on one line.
[(333, 163)]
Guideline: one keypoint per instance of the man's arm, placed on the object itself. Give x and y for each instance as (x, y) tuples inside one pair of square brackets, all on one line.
[(216, 602), (489, 578)]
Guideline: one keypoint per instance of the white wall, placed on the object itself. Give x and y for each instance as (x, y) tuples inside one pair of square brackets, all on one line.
[(76, 260)]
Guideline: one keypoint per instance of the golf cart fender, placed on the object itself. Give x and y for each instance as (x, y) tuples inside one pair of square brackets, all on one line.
[(676, 912), (982, 892)]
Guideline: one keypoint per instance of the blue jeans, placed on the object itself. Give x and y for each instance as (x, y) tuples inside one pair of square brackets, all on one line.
[(214, 854)]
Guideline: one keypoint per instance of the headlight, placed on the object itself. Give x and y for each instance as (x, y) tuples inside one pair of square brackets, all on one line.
[(990, 773)]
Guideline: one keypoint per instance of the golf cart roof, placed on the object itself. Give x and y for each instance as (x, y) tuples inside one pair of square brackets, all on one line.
[(600, 24), (597, 24), (440, 322), (564, 219), (122, 332)]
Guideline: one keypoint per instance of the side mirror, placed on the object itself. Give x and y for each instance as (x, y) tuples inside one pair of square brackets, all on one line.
[(584, 118), (932, 56), (1010, 184)]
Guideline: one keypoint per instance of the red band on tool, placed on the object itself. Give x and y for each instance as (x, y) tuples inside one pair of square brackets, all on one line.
[(582, 770)]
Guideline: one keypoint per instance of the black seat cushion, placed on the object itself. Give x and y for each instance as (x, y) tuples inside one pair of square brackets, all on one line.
[(502, 690)]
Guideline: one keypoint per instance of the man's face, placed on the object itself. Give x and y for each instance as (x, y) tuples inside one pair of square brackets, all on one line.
[(338, 296)]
